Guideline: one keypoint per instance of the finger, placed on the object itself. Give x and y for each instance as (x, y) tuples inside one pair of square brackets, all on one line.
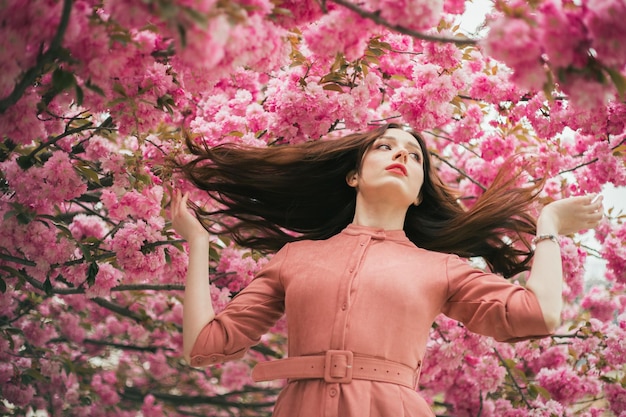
[(184, 203), (175, 200)]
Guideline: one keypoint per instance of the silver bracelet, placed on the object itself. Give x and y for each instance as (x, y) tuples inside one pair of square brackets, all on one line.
[(540, 238)]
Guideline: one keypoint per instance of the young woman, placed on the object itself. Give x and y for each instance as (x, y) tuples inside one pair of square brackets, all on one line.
[(368, 242)]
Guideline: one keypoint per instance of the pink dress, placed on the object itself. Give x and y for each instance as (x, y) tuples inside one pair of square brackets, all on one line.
[(371, 292)]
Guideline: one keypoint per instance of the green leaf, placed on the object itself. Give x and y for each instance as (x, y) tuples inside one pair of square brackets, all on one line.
[(33, 374), (92, 272), (25, 162), (536, 390), (62, 80), (333, 87), (79, 95), (24, 217), (3, 286), (119, 89), (88, 173), (213, 254), (94, 88), (619, 80), (47, 286)]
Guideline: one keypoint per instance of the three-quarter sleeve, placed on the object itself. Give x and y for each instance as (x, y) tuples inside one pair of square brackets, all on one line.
[(245, 319), (490, 305)]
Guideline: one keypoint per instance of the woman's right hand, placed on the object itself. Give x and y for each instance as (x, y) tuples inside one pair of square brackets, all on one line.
[(183, 220), (571, 215)]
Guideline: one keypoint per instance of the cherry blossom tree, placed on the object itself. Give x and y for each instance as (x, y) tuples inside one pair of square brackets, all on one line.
[(96, 95)]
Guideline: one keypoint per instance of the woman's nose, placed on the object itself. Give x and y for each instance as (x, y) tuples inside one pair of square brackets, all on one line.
[(401, 154)]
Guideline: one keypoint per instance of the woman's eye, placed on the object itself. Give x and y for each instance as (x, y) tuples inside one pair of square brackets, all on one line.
[(384, 146), (416, 156)]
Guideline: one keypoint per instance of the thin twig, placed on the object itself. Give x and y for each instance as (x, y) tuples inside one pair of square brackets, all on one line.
[(510, 373), (459, 170)]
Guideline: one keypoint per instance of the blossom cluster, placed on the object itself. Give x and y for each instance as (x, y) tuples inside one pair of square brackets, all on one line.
[(97, 99)]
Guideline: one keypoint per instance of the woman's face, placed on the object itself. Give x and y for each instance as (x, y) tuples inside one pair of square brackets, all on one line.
[(391, 169)]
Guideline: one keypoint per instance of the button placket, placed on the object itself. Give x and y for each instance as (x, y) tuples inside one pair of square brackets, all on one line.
[(354, 256)]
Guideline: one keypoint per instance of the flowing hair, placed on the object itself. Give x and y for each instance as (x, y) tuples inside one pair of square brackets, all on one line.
[(275, 195)]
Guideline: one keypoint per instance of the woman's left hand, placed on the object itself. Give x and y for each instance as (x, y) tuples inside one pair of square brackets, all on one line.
[(571, 215)]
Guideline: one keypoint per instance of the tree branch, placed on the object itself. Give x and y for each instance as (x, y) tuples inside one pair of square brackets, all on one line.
[(375, 17), (44, 59), (116, 308), (135, 394), (510, 374), (21, 261)]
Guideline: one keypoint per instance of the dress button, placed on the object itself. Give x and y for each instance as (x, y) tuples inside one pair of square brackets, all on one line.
[(362, 243), (332, 392), (344, 306)]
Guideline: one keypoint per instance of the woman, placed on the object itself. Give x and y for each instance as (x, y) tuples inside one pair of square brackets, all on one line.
[(367, 268)]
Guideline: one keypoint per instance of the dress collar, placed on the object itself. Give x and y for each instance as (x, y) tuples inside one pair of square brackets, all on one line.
[(376, 233)]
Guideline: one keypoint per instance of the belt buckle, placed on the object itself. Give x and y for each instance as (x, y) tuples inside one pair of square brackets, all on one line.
[(338, 366)]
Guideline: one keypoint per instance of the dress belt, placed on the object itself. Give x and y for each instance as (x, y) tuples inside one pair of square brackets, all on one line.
[(338, 366)]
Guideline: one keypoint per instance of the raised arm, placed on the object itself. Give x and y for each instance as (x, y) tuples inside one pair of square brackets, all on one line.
[(197, 308), (561, 217)]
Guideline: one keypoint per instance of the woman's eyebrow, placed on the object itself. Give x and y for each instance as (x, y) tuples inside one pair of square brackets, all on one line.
[(410, 144)]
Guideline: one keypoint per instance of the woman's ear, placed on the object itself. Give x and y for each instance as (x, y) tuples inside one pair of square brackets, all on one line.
[(352, 178)]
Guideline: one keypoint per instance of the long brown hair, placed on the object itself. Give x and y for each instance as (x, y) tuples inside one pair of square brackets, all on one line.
[(284, 193)]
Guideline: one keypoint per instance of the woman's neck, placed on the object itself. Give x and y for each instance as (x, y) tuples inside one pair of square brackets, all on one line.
[(382, 216)]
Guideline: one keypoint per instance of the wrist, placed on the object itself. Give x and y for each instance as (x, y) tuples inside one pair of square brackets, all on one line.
[(547, 223), (201, 239)]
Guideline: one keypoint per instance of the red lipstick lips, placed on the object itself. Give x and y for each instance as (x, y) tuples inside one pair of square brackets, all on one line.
[(397, 167)]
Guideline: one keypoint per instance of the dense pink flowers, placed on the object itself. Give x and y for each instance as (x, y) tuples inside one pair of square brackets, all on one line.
[(91, 272), (605, 22)]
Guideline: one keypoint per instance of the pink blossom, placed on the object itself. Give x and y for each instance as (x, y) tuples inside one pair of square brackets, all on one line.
[(562, 35), (235, 375), (427, 104), (413, 14), (220, 297), (54, 183), (238, 269), (616, 396), (106, 278), (600, 303), (334, 33), (605, 21), (103, 386), (615, 351), (84, 226), (515, 43), (573, 260), (138, 205), (298, 12), (446, 55), (454, 6), (70, 327), (6, 372), (300, 111), (18, 395), (493, 147), (565, 385), (135, 256), (37, 333), (150, 408), (586, 92), (20, 123)]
